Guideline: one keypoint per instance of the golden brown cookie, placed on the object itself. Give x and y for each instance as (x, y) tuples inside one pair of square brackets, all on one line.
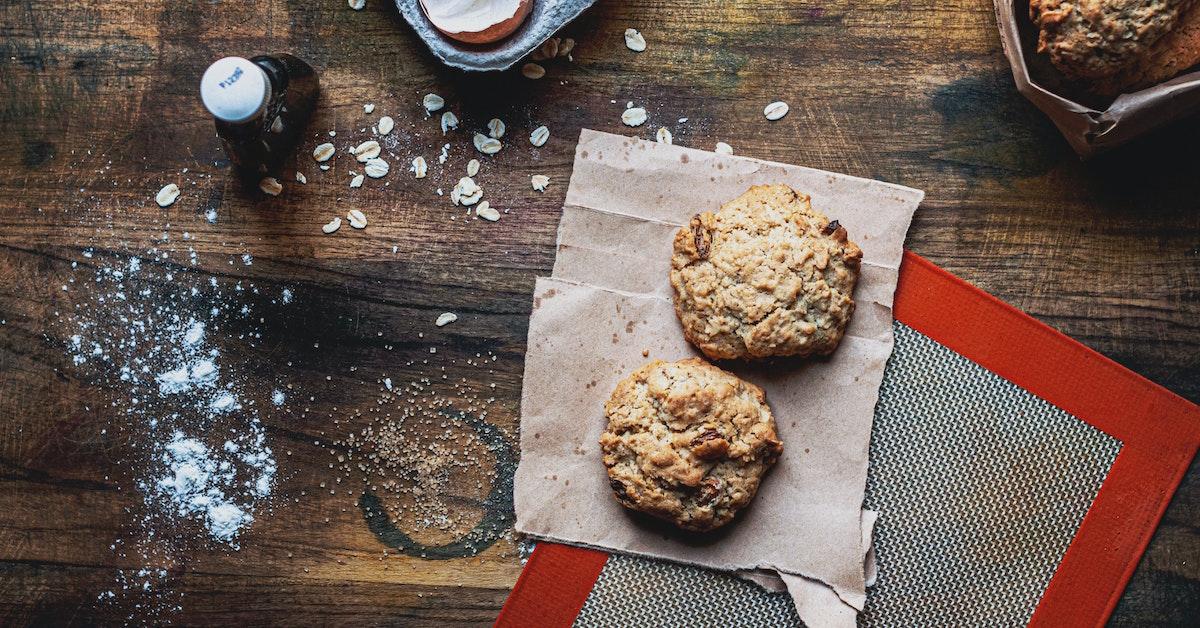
[(688, 442), (767, 275)]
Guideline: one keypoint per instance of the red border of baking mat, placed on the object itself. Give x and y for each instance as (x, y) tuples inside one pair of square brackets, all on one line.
[(1159, 431)]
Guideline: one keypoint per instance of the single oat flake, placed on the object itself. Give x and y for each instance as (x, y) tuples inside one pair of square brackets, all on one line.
[(300, 178), (634, 40), (565, 48), (487, 213), (369, 108), (376, 168), (445, 318), (324, 152), (357, 219), (357, 181), (167, 195), (357, 5), (472, 167), (533, 71), (724, 149), (496, 128), (449, 121), (776, 110), (634, 116), (332, 225), (487, 145), (539, 136), (539, 182), (270, 185), (385, 125), (433, 102), (277, 125), (366, 151), (663, 136), (419, 167), (548, 50)]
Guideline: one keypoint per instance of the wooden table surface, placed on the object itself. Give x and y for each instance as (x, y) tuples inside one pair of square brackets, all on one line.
[(100, 109)]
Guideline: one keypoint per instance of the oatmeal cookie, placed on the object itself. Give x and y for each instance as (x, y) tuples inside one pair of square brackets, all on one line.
[(688, 442), (767, 275)]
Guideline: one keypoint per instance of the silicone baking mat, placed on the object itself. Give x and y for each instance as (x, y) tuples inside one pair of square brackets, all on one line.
[(1018, 474)]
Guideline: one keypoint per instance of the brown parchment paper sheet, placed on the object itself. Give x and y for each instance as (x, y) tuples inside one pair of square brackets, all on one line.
[(1091, 131), (609, 300)]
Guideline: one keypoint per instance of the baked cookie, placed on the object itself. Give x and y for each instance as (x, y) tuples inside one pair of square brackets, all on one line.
[(767, 275), (688, 442)]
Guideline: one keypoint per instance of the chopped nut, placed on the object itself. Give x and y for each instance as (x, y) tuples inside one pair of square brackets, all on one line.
[(376, 168), (539, 182), (419, 167), (167, 195), (496, 128), (433, 102), (724, 149), (366, 151), (487, 213), (634, 40), (487, 145), (634, 116), (269, 185), (385, 125), (449, 121), (533, 71), (776, 110), (539, 136), (357, 219), (332, 225), (357, 181), (300, 178), (472, 167), (445, 318), (663, 136), (324, 152)]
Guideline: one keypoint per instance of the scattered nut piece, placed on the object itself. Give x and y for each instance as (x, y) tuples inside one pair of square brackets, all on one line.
[(533, 71), (466, 192), (487, 213), (300, 178), (472, 167), (367, 150), (270, 185), (445, 318), (385, 125), (724, 149), (357, 219), (634, 40), (357, 181), (324, 152), (433, 102), (539, 182), (776, 110), (357, 5), (487, 145), (167, 195), (663, 136), (369, 108), (634, 116), (496, 128), (376, 168), (332, 225), (539, 136), (449, 121), (419, 167)]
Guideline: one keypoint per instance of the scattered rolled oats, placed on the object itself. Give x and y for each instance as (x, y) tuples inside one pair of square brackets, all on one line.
[(663, 136), (324, 152), (270, 185), (369, 108), (533, 71), (376, 168), (724, 149), (433, 102), (449, 121), (277, 125), (357, 5), (776, 110), (167, 195), (634, 40), (385, 125), (419, 167), (357, 219), (472, 167), (366, 151), (357, 181), (487, 145), (634, 116), (565, 48), (332, 225), (539, 182), (466, 192), (487, 213), (539, 136), (445, 318), (300, 178), (496, 128)]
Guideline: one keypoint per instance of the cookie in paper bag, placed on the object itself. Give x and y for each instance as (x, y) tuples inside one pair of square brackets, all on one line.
[(766, 275), (688, 442)]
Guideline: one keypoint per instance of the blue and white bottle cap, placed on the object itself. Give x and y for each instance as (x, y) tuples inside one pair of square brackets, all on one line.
[(235, 89)]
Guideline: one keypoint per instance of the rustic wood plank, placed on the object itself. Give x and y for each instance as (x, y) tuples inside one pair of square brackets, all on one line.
[(99, 106)]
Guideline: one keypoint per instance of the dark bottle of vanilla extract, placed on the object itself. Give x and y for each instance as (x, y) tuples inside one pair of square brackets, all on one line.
[(260, 106)]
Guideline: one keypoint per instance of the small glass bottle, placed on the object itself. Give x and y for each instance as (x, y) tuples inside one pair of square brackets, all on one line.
[(260, 106)]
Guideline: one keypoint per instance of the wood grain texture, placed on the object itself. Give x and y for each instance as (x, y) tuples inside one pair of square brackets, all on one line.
[(98, 109)]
